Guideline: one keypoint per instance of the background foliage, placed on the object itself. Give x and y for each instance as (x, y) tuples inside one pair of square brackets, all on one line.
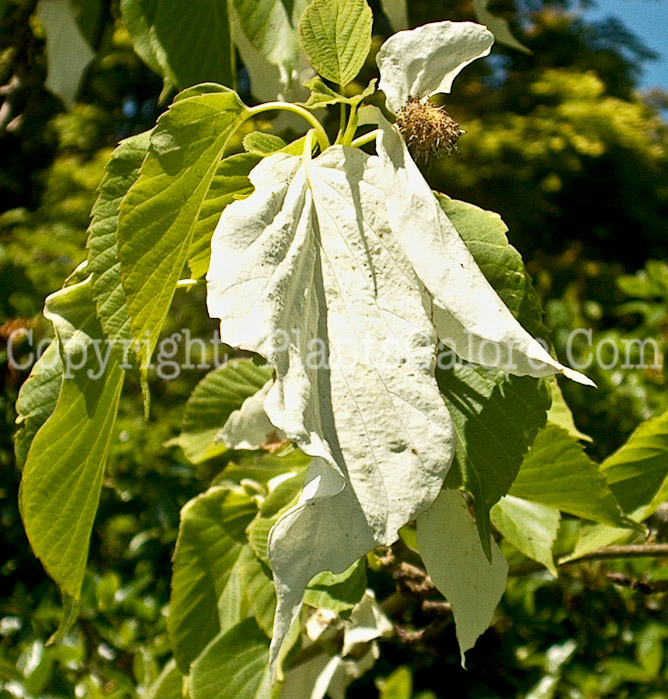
[(561, 144)]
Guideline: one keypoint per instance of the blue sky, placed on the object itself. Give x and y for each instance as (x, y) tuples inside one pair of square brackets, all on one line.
[(648, 19)]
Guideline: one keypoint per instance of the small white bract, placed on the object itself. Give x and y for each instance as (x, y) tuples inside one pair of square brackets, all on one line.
[(425, 61)]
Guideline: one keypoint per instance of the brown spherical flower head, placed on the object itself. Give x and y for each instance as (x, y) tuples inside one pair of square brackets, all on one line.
[(429, 131)]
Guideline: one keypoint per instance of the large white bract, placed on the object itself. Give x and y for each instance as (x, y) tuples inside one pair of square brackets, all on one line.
[(343, 271)]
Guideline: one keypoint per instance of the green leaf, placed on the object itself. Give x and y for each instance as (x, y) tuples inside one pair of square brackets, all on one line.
[(637, 474), (560, 414), (37, 399), (453, 555), (399, 685), (234, 665), (184, 47), (558, 473), (338, 593), (262, 468), (258, 589), (68, 52), (336, 37), (496, 415), (498, 26), (104, 265), (396, 12), (282, 498), (323, 96), (214, 399), (168, 685), (484, 233), (67, 621), (160, 211), (210, 543), (269, 25), (261, 143), (62, 478), (530, 527), (229, 184)]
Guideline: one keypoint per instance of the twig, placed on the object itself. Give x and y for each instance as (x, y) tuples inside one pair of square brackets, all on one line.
[(647, 587), (630, 551)]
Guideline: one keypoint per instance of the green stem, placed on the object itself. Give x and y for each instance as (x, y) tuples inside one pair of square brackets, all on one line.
[(366, 138), (342, 119), (320, 132)]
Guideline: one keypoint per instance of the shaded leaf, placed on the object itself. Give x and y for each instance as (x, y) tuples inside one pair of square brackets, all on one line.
[(496, 415), (338, 593), (184, 47), (215, 398), (453, 555), (68, 53), (498, 26), (270, 26), (37, 399), (210, 543), (396, 12), (234, 665)]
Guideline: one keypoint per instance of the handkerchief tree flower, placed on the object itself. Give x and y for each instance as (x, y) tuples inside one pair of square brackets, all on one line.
[(351, 281), (343, 271)]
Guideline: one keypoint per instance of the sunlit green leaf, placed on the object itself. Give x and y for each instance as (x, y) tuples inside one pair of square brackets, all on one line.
[(168, 685), (63, 473), (104, 265), (498, 26), (336, 37), (529, 526), (558, 473), (261, 143), (229, 184), (159, 213), (560, 414), (637, 474), (399, 685)]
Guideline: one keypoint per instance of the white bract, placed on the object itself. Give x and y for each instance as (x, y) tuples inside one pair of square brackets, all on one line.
[(343, 272), (424, 61)]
